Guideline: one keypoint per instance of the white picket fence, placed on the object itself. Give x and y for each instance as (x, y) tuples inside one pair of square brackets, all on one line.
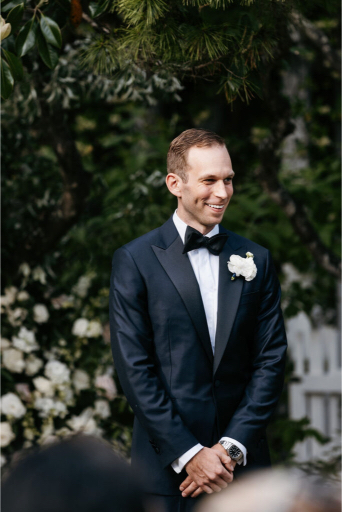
[(316, 394)]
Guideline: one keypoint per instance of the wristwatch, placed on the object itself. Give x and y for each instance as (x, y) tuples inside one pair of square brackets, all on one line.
[(232, 450)]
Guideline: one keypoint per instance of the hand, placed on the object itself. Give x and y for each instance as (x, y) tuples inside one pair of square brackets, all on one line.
[(210, 470)]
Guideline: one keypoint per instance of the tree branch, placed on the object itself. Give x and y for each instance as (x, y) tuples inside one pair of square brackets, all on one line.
[(55, 224), (267, 174), (319, 40)]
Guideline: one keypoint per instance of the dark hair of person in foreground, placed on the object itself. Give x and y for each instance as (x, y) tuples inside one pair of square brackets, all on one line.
[(81, 473)]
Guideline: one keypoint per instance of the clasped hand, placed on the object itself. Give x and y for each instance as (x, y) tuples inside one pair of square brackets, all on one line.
[(210, 470)]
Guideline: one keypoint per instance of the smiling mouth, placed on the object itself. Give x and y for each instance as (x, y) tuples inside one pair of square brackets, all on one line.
[(217, 207)]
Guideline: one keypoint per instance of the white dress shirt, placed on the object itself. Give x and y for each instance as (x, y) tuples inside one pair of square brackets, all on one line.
[(206, 268)]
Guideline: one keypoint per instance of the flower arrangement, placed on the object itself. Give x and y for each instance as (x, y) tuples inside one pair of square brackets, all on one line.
[(57, 369)]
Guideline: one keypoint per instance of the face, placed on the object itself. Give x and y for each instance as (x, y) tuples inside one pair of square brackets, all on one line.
[(203, 199)]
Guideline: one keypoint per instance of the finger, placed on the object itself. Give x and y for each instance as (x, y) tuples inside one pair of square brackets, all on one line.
[(229, 466), (220, 482), (185, 483), (189, 490), (197, 493), (207, 489), (226, 475)]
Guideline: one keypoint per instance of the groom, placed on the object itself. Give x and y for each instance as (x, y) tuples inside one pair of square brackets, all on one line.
[(199, 347)]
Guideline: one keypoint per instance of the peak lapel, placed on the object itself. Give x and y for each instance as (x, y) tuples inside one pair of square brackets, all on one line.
[(229, 293), (179, 269)]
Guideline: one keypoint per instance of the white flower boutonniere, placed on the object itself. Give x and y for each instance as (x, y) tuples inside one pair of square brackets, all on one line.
[(242, 266)]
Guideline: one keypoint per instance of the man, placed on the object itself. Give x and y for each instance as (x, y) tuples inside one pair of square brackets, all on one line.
[(199, 348)]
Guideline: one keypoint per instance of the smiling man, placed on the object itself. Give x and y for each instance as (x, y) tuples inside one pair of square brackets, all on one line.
[(199, 346)]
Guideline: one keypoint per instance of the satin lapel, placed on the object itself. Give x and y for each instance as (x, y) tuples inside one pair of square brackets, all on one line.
[(229, 293), (179, 269)]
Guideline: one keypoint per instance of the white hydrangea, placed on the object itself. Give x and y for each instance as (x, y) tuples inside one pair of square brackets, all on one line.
[(94, 329), (102, 409), (3, 460), (106, 383), (6, 434), (22, 296), (16, 316), (66, 394), (49, 407), (38, 274), (29, 434), (12, 406), (44, 385), (25, 269), (80, 380), (40, 313), (25, 341), (82, 286), (33, 364), (57, 372), (5, 343), (10, 296), (85, 423), (13, 360), (80, 327)]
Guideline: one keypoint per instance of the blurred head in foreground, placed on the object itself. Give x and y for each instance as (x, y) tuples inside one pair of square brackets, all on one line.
[(78, 474), (275, 491)]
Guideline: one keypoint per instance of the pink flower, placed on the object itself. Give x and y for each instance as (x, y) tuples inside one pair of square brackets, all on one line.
[(106, 383)]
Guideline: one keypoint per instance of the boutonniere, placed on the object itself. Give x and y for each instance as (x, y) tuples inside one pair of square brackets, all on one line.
[(242, 266)]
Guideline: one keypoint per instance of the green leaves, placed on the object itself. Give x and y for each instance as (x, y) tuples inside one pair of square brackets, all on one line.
[(15, 65), (50, 31), (7, 80), (14, 16), (47, 52), (26, 38)]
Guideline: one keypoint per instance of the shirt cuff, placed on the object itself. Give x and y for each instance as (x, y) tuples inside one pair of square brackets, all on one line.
[(179, 463), (239, 445)]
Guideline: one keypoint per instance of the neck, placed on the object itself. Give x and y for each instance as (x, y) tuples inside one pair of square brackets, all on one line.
[(194, 224)]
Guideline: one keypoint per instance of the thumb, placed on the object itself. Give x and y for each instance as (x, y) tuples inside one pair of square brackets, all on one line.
[(226, 461)]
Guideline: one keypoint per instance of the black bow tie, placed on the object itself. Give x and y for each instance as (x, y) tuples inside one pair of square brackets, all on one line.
[(195, 240)]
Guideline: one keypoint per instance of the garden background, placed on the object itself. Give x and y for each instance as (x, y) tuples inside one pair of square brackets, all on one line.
[(93, 93)]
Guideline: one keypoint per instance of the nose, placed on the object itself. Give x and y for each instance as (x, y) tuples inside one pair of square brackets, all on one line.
[(220, 190)]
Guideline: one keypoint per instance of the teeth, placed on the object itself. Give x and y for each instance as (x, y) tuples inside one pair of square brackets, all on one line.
[(215, 206)]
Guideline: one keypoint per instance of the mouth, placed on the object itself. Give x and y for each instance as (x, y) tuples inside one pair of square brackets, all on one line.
[(216, 207)]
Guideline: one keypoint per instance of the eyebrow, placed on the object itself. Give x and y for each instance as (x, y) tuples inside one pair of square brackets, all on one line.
[(208, 176)]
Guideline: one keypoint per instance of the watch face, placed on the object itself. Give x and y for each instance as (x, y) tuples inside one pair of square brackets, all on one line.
[(234, 452)]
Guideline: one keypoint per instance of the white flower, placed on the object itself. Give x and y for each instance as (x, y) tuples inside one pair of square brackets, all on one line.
[(23, 295), (57, 372), (25, 341), (10, 294), (16, 316), (82, 286), (25, 269), (40, 313), (38, 274), (245, 267), (29, 434), (5, 343), (84, 423), (33, 364), (3, 460), (94, 329), (106, 383), (102, 409), (23, 390), (44, 385), (6, 434), (80, 380), (11, 405), (49, 407), (80, 327), (66, 394), (13, 360)]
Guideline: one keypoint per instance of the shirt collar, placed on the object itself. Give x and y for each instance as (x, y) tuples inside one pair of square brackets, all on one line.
[(181, 227)]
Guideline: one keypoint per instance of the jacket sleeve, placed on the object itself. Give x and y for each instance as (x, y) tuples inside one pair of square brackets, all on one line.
[(261, 395), (133, 352)]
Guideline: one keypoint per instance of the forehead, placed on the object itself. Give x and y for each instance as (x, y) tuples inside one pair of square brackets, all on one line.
[(209, 159)]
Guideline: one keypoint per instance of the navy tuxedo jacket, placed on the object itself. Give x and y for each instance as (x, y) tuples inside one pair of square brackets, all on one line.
[(180, 393)]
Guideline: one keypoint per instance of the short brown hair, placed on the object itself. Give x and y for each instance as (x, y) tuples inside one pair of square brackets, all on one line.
[(179, 147)]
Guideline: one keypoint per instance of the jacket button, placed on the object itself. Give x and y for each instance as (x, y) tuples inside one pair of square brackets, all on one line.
[(217, 383)]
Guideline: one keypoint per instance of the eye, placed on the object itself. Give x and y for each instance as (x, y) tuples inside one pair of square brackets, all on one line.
[(228, 180)]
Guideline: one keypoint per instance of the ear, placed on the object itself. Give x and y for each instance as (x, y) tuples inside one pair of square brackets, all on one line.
[(174, 184)]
